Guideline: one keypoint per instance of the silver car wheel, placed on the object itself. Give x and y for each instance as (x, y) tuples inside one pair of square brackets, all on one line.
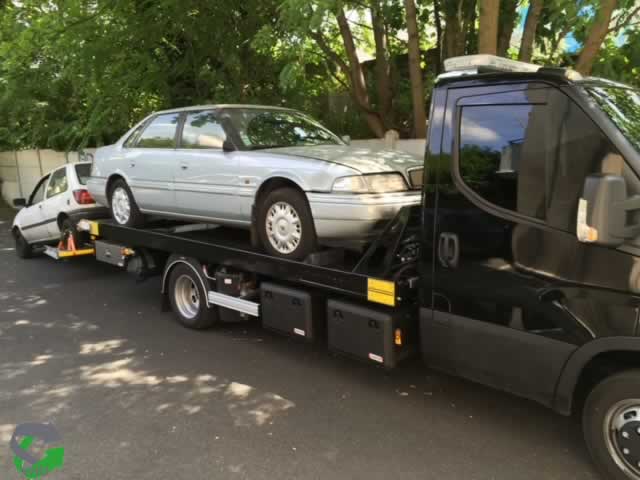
[(284, 228), (121, 205), (187, 297), (622, 436)]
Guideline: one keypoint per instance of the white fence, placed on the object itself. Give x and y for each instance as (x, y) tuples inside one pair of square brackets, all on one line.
[(21, 170)]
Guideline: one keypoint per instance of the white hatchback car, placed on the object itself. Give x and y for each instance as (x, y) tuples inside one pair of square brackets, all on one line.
[(57, 200)]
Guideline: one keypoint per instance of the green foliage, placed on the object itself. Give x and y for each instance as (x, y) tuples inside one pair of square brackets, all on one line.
[(77, 73)]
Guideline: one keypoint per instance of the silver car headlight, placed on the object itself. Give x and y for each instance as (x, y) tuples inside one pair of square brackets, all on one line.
[(354, 184), (377, 183)]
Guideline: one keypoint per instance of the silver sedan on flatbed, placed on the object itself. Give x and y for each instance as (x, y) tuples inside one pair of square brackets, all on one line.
[(274, 168)]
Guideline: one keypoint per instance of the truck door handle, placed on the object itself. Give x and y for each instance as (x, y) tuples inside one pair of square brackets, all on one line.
[(449, 249)]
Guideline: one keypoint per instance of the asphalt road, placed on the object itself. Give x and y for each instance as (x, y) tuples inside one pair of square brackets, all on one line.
[(136, 396)]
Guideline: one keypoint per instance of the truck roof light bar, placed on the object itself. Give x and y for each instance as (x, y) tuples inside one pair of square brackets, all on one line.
[(483, 63), (489, 62)]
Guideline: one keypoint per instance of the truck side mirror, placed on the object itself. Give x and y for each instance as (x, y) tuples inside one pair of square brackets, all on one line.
[(602, 211), (19, 202)]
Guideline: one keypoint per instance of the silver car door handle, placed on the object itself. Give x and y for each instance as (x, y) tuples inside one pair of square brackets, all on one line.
[(132, 164), (184, 166)]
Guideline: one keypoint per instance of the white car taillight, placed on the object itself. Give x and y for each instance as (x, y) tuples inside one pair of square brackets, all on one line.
[(83, 197)]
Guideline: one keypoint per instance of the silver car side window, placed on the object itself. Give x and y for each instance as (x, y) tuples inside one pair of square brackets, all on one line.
[(133, 138), (161, 132), (202, 130)]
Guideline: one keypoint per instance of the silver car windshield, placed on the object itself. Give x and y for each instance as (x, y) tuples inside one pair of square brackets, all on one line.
[(622, 105), (262, 128)]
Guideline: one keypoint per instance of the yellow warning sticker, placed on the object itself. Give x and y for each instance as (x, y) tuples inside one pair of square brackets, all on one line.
[(381, 291)]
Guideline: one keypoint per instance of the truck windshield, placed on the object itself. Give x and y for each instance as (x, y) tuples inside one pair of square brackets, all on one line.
[(622, 105)]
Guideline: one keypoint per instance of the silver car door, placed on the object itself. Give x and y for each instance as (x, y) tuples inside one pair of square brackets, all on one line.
[(150, 164), (206, 179), (33, 223)]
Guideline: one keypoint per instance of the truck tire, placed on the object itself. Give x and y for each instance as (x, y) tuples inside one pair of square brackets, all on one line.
[(23, 249), (285, 224), (611, 425), (124, 209), (188, 299)]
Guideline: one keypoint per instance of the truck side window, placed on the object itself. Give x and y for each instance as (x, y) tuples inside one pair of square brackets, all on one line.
[(531, 159), (579, 149), (498, 158)]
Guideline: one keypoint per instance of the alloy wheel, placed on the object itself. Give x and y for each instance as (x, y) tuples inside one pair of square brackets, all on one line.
[(284, 228), (121, 205)]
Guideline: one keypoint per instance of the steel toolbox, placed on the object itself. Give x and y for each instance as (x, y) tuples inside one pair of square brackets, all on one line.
[(291, 311), (381, 335)]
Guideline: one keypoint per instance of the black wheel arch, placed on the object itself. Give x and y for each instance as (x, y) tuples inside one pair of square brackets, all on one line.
[(62, 216), (112, 179), (589, 365), (193, 264)]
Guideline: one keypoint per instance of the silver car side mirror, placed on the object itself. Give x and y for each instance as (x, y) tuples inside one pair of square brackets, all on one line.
[(346, 139)]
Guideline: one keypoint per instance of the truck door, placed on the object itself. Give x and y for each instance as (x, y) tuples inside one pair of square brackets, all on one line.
[(503, 309)]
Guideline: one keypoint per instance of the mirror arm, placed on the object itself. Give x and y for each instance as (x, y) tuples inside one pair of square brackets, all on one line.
[(629, 205)]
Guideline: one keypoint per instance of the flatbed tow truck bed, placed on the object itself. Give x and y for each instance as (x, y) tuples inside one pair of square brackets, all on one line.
[(368, 298)]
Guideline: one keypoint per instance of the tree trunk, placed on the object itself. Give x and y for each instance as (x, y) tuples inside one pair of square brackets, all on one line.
[(454, 35), (508, 15), (530, 27), (488, 33), (383, 69), (356, 74), (436, 18), (415, 72), (597, 34), (470, 40)]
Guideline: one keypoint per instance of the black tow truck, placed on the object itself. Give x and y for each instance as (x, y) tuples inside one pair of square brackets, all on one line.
[(519, 270)]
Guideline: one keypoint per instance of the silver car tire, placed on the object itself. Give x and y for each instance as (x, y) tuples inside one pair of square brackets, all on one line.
[(124, 209), (285, 224)]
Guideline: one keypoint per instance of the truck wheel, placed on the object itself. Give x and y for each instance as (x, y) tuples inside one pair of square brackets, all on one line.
[(124, 208), (188, 299), (23, 249), (285, 224), (611, 425)]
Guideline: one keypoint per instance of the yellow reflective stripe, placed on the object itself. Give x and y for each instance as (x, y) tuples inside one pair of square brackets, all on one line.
[(381, 291)]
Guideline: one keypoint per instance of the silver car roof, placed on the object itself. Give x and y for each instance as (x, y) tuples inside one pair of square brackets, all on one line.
[(221, 106)]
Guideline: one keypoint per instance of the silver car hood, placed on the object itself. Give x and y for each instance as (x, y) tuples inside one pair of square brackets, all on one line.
[(365, 160)]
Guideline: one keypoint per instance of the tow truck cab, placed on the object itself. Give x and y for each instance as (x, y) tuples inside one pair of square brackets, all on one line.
[(530, 270)]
